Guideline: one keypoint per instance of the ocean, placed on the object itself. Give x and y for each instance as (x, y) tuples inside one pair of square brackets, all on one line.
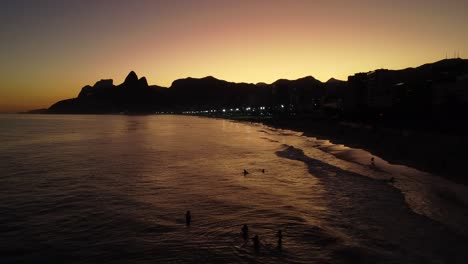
[(116, 188)]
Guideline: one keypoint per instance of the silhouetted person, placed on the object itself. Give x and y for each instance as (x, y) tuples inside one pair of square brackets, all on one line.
[(372, 161), (188, 218), (256, 242), (245, 172), (280, 238), (245, 232)]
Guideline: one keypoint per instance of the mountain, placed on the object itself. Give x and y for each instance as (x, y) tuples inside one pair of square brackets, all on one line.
[(438, 85), (334, 81), (136, 96), (133, 95)]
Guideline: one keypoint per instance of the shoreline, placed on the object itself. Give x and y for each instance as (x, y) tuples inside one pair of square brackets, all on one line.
[(438, 154), (432, 152)]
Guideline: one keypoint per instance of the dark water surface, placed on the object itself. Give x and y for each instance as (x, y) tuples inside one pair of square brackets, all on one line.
[(115, 189)]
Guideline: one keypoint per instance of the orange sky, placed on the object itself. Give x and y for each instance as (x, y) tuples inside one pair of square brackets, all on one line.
[(50, 49)]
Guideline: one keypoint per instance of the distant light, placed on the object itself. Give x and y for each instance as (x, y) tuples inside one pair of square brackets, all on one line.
[(224, 110), (237, 109), (282, 106)]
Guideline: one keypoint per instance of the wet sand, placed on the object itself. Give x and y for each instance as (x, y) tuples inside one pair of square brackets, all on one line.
[(440, 154)]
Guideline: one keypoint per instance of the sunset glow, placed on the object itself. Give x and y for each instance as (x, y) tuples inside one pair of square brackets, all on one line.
[(51, 49)]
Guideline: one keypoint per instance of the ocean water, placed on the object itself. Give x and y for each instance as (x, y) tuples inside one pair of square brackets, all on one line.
[(115, 189)]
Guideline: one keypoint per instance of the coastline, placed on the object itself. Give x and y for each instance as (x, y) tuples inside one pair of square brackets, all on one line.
[(435, 153)]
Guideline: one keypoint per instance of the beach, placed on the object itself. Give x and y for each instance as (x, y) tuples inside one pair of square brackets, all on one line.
[(437, 153)]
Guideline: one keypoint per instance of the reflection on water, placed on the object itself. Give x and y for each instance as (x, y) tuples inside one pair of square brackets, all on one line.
[(116, 189)]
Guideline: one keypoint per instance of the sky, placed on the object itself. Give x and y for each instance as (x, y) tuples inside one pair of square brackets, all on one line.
[(50, 49)]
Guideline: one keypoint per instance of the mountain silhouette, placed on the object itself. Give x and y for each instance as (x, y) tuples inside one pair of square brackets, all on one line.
[(434, 87), (136, 96)]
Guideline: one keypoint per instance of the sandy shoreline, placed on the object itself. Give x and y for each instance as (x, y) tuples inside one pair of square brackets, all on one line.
[(438, 154)]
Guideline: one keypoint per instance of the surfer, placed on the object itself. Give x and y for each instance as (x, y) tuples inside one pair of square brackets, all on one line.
[(245, 172), (245, 232), (256, 242), (188, 218), (280, 238)]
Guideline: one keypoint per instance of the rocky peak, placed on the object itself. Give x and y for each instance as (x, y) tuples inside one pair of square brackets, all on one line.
[(86, 91), (132, 79), (143, 82), (104, 83)]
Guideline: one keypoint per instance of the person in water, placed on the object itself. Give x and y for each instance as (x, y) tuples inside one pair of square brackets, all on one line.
[(256, 242), (245, 232), (280, 238), (263, 170), (188, 218), (245, 172)]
